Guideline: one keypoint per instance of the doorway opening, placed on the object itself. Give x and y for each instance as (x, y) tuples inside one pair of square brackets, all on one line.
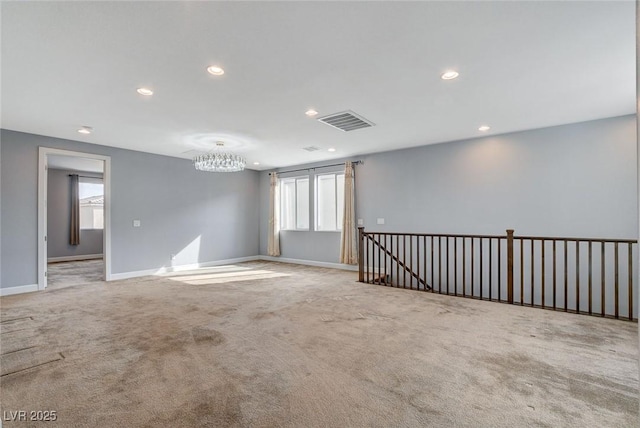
[(73, 218)]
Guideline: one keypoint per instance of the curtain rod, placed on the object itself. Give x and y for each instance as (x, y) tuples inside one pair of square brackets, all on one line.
[(87, 176), (316, 167)]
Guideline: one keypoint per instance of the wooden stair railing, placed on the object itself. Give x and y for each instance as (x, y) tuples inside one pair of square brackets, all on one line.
[(397, 260), (593, 276)]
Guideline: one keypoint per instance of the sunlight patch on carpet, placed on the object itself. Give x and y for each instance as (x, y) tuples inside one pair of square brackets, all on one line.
[(221, 278)]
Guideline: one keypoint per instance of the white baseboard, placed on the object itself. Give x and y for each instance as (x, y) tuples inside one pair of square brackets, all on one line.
[(310, 263), (74, 258), (132, 274), (18, 290), (167, 269)]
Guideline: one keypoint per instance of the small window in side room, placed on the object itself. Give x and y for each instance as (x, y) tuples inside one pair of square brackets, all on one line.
[(91, 194)]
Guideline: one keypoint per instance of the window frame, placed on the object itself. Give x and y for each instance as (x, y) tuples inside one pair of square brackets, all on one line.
[(335, 195), (295, 180)]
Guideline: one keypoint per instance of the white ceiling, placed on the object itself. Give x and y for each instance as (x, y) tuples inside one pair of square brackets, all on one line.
[(522, 65)]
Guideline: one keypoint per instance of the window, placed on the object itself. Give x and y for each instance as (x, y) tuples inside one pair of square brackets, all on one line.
[(329, 202), (294, 203), (91, 194)]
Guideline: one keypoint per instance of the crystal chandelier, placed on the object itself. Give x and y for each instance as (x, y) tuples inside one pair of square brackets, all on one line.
[(219, 161)]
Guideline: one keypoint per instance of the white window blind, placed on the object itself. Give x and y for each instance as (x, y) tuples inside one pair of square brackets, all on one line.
[(329, 201), (294, 203)]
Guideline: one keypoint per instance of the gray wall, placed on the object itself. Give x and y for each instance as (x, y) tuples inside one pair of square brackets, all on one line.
[(58, 218), (570, 180), (199, 216)]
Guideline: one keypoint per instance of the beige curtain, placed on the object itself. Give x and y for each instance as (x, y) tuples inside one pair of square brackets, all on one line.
[(348, 249), (273, 243), (74, 235)]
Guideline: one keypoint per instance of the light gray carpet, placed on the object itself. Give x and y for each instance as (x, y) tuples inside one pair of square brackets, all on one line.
[(275, 345), (64, 274)]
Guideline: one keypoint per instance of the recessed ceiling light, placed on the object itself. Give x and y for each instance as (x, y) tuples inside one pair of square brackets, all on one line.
[(85, 130), (448, 75), (332, 149), (215, 70), (311, 112), (484, 128), (145, 91), (256, 163)]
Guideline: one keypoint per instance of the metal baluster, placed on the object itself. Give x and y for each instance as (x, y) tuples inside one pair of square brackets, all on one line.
[(554, 275), (590, 277), (630, 273), (433, 284), (533, 283), (499, 270), (418, 259), (481, 278), (439, 265), (542, 273), (566, 277), (578, 277), (521, 271), (455, 265), (490, 268), (464, 267), (616, 289), (448, 270), (602, 279), (404, 261), (473, 272)]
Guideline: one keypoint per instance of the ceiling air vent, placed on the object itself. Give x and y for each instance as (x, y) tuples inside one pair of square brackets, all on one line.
[(346, 121), (311, 148)]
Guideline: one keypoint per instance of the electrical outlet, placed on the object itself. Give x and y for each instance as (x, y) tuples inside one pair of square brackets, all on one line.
[(136, 223), (173, 256), (380, 221), (360, 222)]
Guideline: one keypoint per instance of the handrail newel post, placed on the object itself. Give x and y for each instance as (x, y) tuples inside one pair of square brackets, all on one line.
[(361, 254), (510, 265)]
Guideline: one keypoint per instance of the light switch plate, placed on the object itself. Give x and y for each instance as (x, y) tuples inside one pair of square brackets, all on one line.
[(380, 221), (136, 223)]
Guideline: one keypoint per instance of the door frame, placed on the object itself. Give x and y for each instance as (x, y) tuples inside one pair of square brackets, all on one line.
[(43, 180)]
